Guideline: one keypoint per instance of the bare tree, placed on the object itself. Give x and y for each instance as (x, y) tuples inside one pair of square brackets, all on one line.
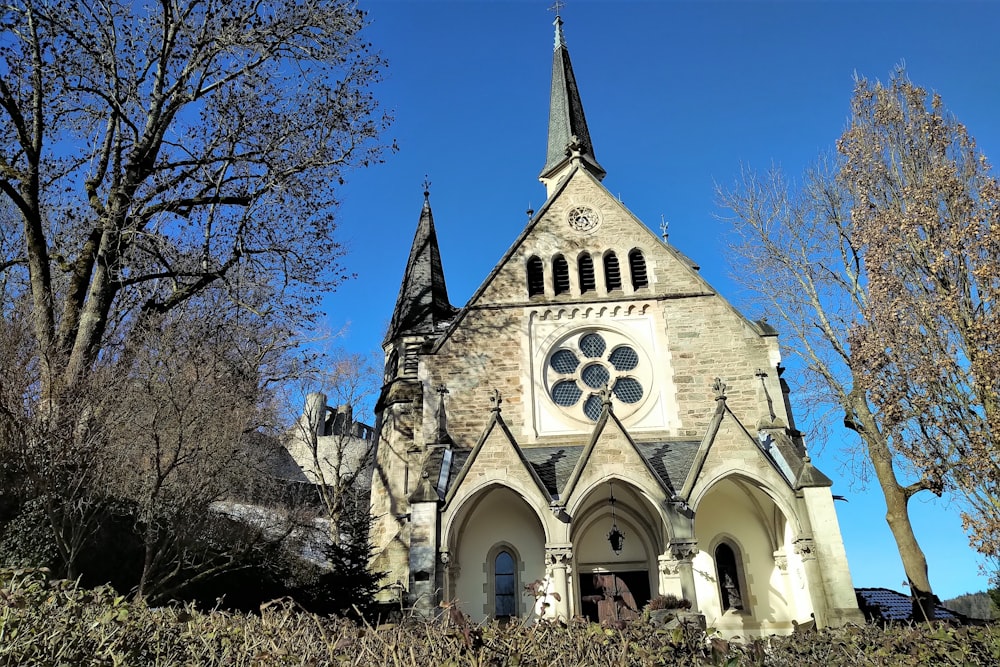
[(183, 449), (168, 179), (152, 150), (926, 210), (332, 444), (883, 268)]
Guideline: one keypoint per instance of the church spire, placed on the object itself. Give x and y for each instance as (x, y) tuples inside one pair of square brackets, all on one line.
[(422, 306), (568, 134)]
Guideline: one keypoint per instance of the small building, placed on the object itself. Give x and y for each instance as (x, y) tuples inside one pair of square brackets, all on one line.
[(596, 427)]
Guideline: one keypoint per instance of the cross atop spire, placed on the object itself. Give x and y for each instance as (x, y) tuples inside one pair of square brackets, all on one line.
[(560, 38)]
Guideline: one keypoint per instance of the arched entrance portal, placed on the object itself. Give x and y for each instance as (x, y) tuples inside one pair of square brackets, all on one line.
[(747, 568), (615, 579), (497, 546)]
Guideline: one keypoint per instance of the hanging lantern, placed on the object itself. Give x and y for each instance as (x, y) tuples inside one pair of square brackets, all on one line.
[(615, 536)]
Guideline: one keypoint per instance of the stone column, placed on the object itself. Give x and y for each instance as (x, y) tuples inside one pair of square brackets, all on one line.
[(559, 568), (682, 552), (806, 550), (448, 573)]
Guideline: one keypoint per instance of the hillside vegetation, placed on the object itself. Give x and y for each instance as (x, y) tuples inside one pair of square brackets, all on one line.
[(974, 605)]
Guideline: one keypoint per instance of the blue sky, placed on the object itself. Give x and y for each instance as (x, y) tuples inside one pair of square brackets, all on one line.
[(678, 95)]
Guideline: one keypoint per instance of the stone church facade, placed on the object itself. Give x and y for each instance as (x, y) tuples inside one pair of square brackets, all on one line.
[(596, 419)]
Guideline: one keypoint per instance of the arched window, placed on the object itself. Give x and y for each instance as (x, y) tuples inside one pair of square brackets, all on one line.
[(728, 571), (612, 273), (637, 266), (536, 278), (560, 274), (504, 585), (585, 266)]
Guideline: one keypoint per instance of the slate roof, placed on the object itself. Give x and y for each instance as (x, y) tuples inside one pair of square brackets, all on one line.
[(422, 306), (884, 604), (566, 118), (671, 460)]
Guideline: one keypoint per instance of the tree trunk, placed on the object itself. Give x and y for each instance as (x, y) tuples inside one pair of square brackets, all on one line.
[(897, 498)]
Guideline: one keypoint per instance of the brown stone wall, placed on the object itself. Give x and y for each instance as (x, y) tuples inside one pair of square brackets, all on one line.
[(483, 354)]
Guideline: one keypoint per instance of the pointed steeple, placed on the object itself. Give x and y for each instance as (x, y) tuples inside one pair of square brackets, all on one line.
[(422, 306), (568, 133)]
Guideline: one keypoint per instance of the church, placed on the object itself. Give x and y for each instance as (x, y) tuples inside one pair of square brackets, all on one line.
[(595, 429)]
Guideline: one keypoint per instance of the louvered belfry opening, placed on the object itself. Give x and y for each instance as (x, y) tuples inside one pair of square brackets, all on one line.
[(536, 277), (612, 272), (560, 274), (637, 266), (585, 266)]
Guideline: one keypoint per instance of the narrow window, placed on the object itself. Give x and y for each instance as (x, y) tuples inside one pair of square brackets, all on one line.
[(536, 279), (504, 605), (560, 274), (585, 265), (637, 265), (728, 572), (612, 273)]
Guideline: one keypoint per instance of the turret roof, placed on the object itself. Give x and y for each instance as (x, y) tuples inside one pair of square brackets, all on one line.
[(422, 306)]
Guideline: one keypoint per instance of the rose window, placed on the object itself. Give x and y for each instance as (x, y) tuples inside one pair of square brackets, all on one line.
[(584, 364)]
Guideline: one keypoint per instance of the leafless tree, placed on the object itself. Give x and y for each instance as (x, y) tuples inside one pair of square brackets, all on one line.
[(881, 267), (926, 210), (152, 150), (168, 179), (333, 444)]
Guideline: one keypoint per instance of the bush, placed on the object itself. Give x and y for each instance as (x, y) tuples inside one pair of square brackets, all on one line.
[(44, 622)]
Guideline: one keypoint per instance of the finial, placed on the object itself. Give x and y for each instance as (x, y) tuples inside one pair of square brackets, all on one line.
[(573, 149), (719, 387), (530, 211), (664, 226), (496, 400), (427, 187), (605, 395), (441, 389), (557, 7)]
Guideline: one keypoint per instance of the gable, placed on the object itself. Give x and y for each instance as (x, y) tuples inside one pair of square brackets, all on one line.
[(582, 217), (611, 452), (728, 447), (496, 457)]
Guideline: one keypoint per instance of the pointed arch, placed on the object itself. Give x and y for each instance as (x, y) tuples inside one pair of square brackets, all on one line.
[(536, 276), (612, 271), (637, 269), (560, 274), (585, 267), (729, 575)]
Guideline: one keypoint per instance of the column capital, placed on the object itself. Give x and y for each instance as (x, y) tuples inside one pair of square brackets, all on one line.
[(667, 564), (805, 547), (558, 554), (683, 549)]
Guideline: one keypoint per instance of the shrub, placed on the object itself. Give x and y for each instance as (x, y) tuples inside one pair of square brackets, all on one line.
[(46, 622), (668, 601)]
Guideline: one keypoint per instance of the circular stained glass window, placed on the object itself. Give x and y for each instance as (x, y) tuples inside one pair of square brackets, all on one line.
[(566, 393), (623, 358), (627, 390), (564, 361), (592, 345), (586, 363), (596, 376)]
